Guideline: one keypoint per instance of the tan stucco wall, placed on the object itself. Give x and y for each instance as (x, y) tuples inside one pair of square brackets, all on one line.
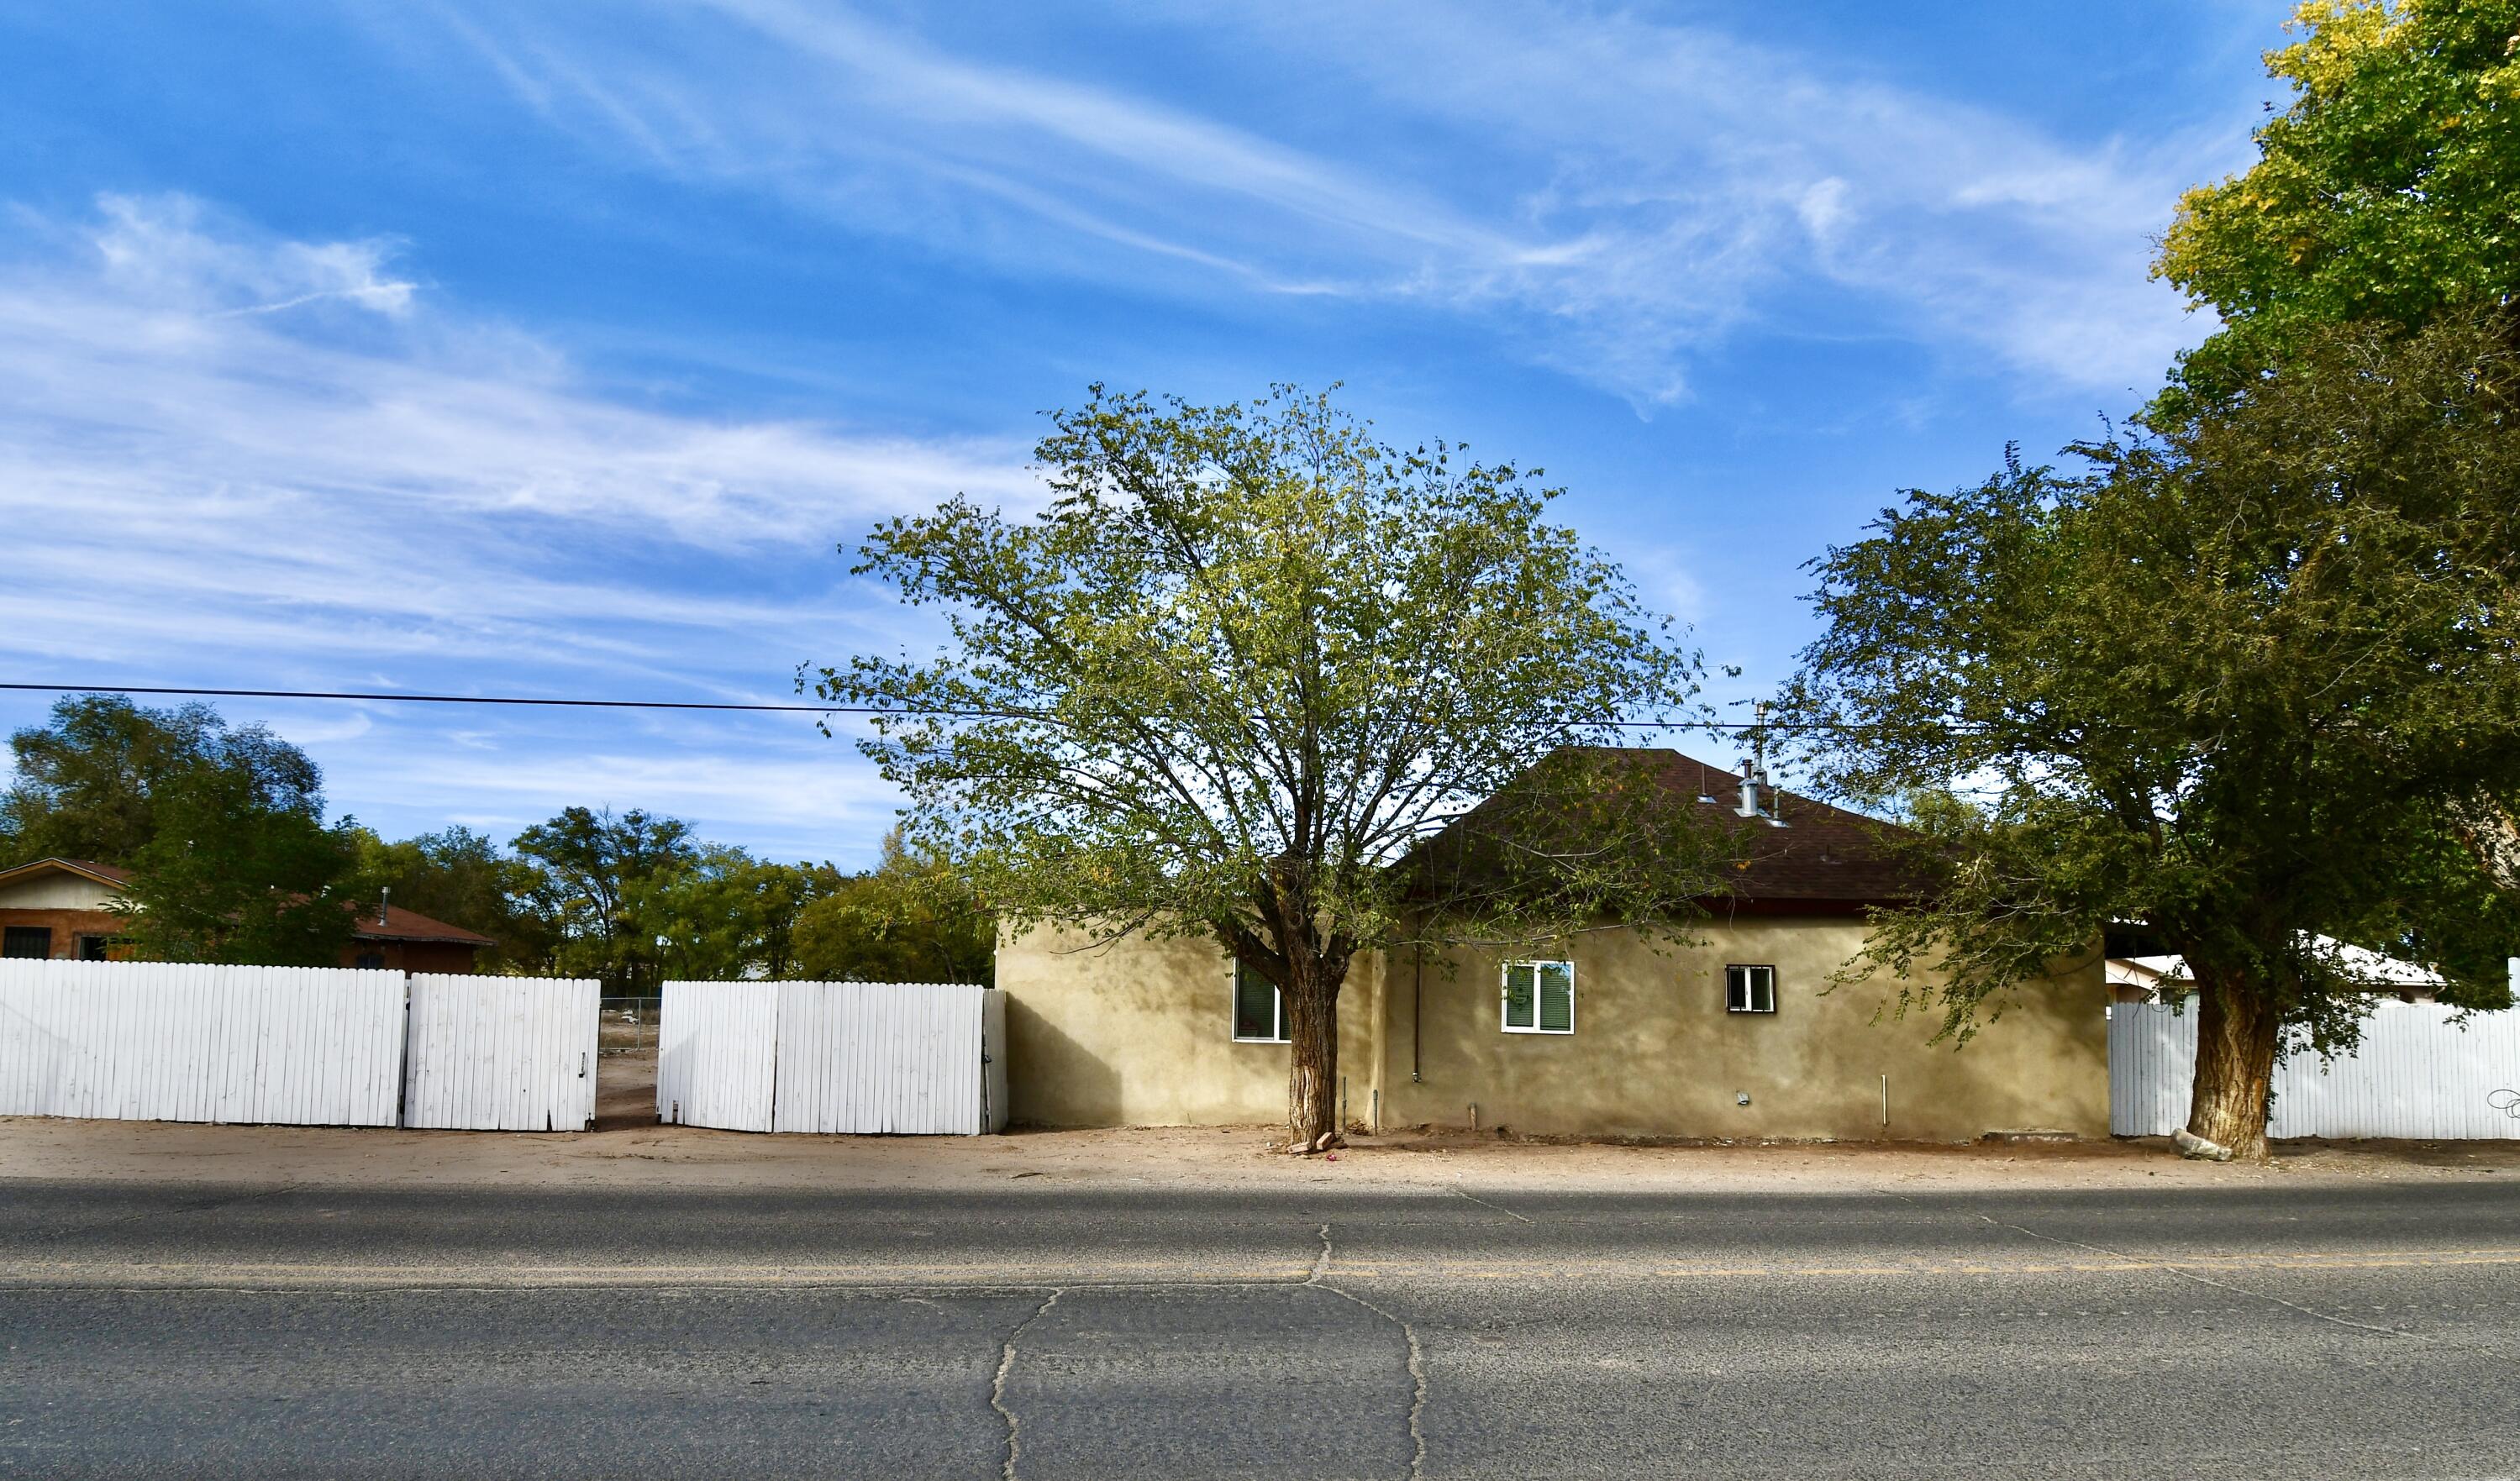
[(1656, 1054), (1140, 1033)]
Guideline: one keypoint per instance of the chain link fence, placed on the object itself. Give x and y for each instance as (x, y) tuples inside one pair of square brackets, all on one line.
[(627, 1026)]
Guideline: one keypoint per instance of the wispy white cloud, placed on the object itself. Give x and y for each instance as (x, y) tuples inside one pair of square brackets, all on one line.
[(232, 459), (1640, 189)]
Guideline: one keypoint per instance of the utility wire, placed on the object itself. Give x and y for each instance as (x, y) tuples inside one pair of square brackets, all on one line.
[(181, 690)]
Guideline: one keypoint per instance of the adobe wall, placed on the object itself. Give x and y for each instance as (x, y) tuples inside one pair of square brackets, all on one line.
[(1141, 1033), (1655, 1052)]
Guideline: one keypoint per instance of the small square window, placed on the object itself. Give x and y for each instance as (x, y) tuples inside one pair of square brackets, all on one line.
[(93, 948), (1539, 996), (1750, 989), (1259, 1009)]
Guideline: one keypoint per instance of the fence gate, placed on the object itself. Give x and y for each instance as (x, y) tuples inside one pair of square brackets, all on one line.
[(501, 1054), (169, 1041), (833, 1057), (2417, 1073), (717, 1054)]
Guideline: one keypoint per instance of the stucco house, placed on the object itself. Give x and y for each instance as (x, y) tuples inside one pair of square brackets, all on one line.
[(63, 908), (1738, 1035)]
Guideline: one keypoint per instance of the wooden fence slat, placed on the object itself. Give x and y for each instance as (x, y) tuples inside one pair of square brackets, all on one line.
[(195, 1041), (828, 1056)]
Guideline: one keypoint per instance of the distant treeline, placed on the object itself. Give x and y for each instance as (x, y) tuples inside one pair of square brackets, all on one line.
[(224, 830)]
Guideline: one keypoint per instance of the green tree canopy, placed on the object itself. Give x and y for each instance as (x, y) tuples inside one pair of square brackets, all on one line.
[(915, 918), (2241, 679), (230, 876), (1246, 659), (2388, 191), (464, 879), (598, 877), (725, 913), (222, 826), (92, 784)]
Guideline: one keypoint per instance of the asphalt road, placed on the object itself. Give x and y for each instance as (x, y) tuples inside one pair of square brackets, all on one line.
[(2304, 1330)]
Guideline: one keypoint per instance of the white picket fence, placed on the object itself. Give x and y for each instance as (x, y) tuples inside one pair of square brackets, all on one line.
[(2417, 1073), (148, 1041), (501, 1054), (832, 1056)]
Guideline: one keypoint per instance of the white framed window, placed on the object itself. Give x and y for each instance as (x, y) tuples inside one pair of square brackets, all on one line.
[(1259, 1009), (1749, 989), (1539, 998)]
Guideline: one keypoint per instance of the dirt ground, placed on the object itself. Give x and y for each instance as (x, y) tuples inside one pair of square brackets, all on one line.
[(629, 1149)]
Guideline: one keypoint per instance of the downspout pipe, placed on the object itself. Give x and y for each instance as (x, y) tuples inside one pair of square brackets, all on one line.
[(1416, 1015)]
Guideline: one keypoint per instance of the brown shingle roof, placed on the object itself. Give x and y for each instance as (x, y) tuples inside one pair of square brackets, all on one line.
[(1823, 857), (102, 873), (1823, 861), (401, 925)]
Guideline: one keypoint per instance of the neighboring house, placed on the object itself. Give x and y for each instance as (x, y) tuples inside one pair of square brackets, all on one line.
[(59, 908), (2148, 978), (1736, 1036), (63, 908), (408, 941)]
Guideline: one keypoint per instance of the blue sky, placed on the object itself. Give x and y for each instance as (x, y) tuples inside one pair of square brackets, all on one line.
[(552, 348)]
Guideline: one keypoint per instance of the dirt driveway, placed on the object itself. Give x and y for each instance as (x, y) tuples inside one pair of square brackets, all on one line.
[(629, 1149)]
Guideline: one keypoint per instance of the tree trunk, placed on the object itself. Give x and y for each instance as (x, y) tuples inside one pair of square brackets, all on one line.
[(2237, 1033), (1312, 1078)]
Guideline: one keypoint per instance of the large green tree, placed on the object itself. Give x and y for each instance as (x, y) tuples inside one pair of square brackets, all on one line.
[(725, 913), (2240, 679), (92, 782), (222, 826), (599, 876), (1247, 659), (2387, 191), (915, 918), (234, 874)]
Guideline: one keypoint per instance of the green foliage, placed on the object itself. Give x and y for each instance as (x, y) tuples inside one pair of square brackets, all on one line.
[(2239, 679), (634, 900), (464, 879), (598, 882), (914, 919), (223, 829), (92, 784), (725, 913), (2388, 191), (1247, 659)]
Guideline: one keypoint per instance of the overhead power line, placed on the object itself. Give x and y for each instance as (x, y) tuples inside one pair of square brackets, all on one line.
[(529, 700)]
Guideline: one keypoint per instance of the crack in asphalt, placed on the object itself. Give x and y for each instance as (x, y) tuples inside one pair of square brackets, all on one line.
[(998, 1385), (1315, 1277), (1484, 1203), (1417, 1354), (2189, 1274)]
